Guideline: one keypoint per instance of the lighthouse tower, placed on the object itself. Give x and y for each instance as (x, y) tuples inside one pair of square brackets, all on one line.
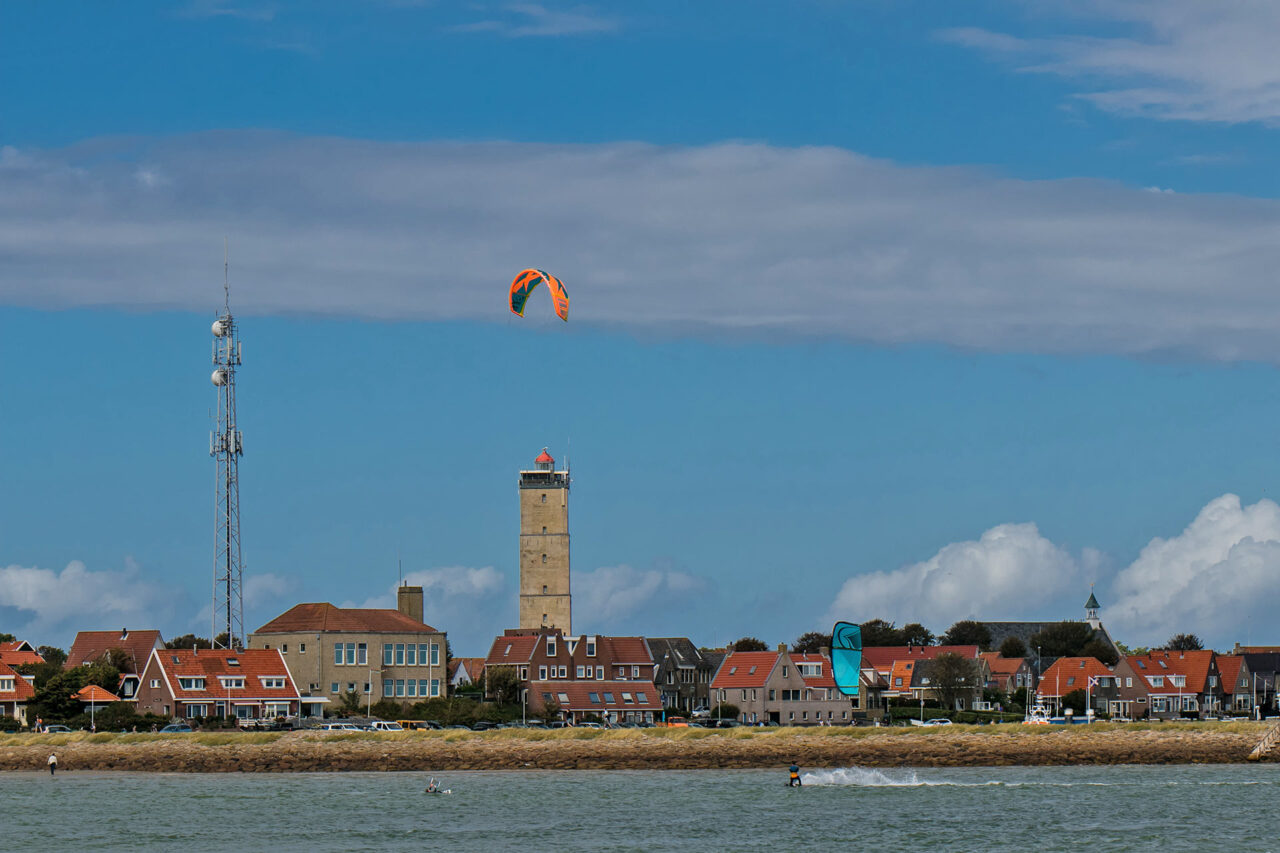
[(545, 601)]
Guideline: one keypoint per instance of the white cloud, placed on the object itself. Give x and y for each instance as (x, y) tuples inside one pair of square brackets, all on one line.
[(1219, 578), (732, 239), (57, 604), (1008, 573), (613, 596), (1173, 59), (470, 604), (264, 588)]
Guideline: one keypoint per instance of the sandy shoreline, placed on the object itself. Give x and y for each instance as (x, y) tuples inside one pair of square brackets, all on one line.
[(959, 746)]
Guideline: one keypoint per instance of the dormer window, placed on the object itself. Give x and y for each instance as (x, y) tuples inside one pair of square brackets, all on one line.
[(191, 682), (231, 682), (274, 682)]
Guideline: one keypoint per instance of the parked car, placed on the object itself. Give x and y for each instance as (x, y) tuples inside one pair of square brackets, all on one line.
[(340, 727), (61, 730), (459, 726), (677, 722), (726, 724), (557, 724), (385, 726), (590, 726), (938, 721), (483, 726), (420, 725), (699, 713), (536, 724), (173, 728)]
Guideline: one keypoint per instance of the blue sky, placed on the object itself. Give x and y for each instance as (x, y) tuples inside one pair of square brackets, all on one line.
[(919, 310)]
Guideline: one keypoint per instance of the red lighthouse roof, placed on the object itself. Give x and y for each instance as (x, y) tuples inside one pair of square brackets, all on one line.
[(544, 458)]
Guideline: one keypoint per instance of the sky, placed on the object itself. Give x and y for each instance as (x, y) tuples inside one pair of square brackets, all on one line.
[(904, 309)]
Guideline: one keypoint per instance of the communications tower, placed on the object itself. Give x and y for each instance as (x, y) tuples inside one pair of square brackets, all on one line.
[(226, 445)]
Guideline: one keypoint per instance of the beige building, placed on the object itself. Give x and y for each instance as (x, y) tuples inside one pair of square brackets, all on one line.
[(375, 653), (545, 601)]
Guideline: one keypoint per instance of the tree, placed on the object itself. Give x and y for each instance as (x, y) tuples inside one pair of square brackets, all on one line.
[(550, 711), (53, 700), (953, 677), (387, 710), (1063, 639), (221, 642), (1075, 700), (915, 634), (725, 711), (748, 644), (1099, 649), (53, 655), (188, 641), (350, 704), (878, 632), (120, 659), (501, 684), (968, 632), (1013, 647), (1184, 643), (811, 643), (7, 638)]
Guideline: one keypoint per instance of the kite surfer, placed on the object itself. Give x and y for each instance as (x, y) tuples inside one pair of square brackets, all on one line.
[(794, 780)]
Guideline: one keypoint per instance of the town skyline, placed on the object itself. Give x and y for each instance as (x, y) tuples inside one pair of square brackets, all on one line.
[(980, 322)]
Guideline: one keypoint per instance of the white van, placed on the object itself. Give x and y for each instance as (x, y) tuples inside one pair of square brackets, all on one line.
[(385, 726)]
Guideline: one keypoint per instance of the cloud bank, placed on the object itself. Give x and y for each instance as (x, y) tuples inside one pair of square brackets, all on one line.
[(1219, 578), (611, 596), (723, 240), (1175, 59)]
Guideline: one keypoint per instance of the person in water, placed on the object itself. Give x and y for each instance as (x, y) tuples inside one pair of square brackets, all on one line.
[(794, 780), (53, 764), (432, 786)]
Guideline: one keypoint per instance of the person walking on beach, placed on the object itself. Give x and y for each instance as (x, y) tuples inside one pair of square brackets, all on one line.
[(794, 780), (53, 764)]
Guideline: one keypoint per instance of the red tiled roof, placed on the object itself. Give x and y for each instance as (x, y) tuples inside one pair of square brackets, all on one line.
[(94, 693), (253, 665), (22, 690), (322, 616), (744, 669), (91, 645), (507, 650), (902, 669), (626, 650), (18, 652), (1000, 666), (1194, 666), (1229, 672), (579, 693), (544, 457), (474, 667), (1068, 674), (881, 658), (825, 679)]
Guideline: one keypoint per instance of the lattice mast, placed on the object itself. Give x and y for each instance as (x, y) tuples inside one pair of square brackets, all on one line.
[(226, 445)]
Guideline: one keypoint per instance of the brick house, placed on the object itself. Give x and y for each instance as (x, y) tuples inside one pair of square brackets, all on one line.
[(193, 683), (15, 692), (90, 646), (1110, 690), (391, 654), (788, 689), (896, 664), (1178, 683), (1005, 674), (609, 701), (1236, 684), (548, 656), (683, 672), (19, 652)]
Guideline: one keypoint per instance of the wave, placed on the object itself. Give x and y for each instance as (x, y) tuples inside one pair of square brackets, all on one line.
[(868, 778)]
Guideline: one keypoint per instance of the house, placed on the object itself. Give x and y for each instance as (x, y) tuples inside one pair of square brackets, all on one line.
[(789, 689), (464, 672), (1264, 667), (19, 652), (195, 683), (1178, 683), (137, 646), (683, 672), (1237, 684), (606, 701), (548, 655), (1108, 690), (15, 692), (925, 681), (372, 652), (895, 665), (91, 696), (1006, 674)]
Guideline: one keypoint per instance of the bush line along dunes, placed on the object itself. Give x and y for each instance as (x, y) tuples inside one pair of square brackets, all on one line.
[(684, 749)]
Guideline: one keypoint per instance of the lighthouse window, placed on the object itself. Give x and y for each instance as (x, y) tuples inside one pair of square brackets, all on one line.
[(544, 589), (544, 498), (544, 558), (544, 528)]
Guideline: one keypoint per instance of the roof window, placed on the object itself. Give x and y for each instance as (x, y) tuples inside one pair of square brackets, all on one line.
[(233, 661)]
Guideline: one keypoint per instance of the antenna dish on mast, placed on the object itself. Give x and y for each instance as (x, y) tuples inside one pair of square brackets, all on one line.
[(219, 328)]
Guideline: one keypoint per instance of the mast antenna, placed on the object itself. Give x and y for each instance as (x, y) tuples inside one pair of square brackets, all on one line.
[(226, 445)]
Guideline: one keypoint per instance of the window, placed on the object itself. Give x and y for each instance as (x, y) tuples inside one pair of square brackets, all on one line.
[(599, 673), (542, 673), (1128, 682), (897, 681), (399, 654), (337, 654), (591, 647), (362, 654), (551, 647), (641, 698), (544, 498), (351, 654), (594, 698), (351, 685), (7, 685), (333, 687), (544, 530), (368, 687), (435, 654), (524, 673), (544, 589), (191, 683), (627, 700), (773, 694), (194, 711), (387, 652), (411, 656), (580, 671), (435, 687), (1181, 681), (155, 683), (388, 689), (608, 697), (564, 698), (229, 683), (1157, 681), (302, 648), (784, 672), (399, 687), (284, 650), (635, 672), (564, 672), (744, 695), (412, 687), (1070, 680)]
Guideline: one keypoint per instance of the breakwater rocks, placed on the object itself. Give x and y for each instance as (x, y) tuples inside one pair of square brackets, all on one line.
[(675, 749)]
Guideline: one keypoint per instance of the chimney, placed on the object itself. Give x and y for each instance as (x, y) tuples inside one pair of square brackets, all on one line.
[(782, 648), (409, 602), (825, 652)]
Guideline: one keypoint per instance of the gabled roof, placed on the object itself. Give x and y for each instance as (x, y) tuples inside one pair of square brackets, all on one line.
[(1229, 667), (472, 668), (744, 669), (511, 650), (1194, 666), (94, 693), (679, 652), (18, 652), (91, 645), (1068, 674), (22, 689), (1000, 666), (901, 669), (825, 678), (577, 695), (881, 658), (252, 664), (625, 650), (322, 616)]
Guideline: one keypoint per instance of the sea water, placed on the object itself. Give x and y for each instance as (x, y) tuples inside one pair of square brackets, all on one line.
[(988, 809)]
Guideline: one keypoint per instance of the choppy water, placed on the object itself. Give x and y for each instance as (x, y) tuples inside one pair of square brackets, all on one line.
[(989, 809)]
